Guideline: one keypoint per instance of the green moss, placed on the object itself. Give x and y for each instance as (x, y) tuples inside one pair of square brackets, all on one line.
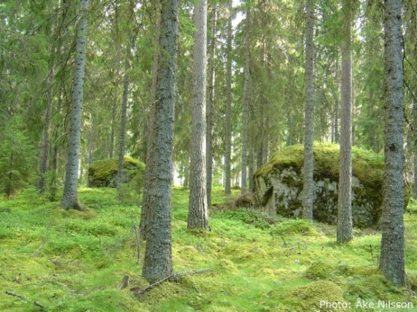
[(319, 270), (101, 171), (291, 227), (368, 166)]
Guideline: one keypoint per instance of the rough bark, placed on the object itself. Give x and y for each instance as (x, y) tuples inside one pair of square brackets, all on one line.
[(392, 224), (122, 136), (308, 189), (210, 103), (197, 209), (69, 198), (414, 138), (113, 126), (344, 220), (44, 148), (145, 211), (158, 254), (245, 113), (228, 132)]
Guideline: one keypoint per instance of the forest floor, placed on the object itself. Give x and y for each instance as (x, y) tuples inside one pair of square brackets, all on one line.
[(75, 261)]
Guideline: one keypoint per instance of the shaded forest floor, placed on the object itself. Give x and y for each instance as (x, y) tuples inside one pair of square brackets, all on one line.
[(75, 261)]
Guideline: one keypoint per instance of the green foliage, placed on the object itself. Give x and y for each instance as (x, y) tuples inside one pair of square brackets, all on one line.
[(17, 158)]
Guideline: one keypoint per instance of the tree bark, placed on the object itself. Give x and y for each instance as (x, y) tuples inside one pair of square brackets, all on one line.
[(197, 209), (69, 198), (228, 132), (210, 103), (158, 254), (123, 123), (344, 219), (145, 211), (44, 150), (393, 205), (113, 125), (309, 115), (245, 113)]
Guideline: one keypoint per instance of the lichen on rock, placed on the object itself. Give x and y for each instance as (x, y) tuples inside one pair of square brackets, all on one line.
[(103, 173), (279, 184)]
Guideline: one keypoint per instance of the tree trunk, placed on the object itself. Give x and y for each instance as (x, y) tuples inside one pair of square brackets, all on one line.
[(197, 209), (145, 211), (210, 103), (113, 126), (44, 150), (69, 198), (228, 132), (344, 220), (392, 223), (245, 113), (309, 115), (119, 178), (158, 254), (414, 138)]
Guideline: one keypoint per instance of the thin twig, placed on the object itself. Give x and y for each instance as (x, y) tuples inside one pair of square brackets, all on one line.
[(138, 291), (11, 293)]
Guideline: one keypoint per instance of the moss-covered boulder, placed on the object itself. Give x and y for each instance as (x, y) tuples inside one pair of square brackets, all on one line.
[(103, 173), (279, 184)]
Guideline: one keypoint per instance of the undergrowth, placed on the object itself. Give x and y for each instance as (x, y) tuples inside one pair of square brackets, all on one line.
[(75, 261)]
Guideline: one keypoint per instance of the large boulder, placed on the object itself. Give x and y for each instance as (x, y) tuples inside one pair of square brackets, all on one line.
[(279, 184), (103, 173)]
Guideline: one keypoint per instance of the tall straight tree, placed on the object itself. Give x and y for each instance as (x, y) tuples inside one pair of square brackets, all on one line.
[(344, 218), (158, 254), (146, 209), (245, 113), (69, 198), (210, 102), (197, 209), (392, 223), (309, 115), (123, 123), (228, 131)]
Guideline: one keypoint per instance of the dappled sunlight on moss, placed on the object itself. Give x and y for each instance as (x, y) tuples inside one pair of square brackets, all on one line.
[(75, 261)]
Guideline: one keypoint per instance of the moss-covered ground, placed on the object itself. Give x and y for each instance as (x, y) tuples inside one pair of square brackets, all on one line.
[(75, 261)]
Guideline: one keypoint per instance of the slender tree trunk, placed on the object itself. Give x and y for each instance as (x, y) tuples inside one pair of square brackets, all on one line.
[(228, 132), (245, 113), (113, 126), (146, 208), (414, 138), (336, 108), (44, 150), (210, 103), (344, 219), (158, 254), (392, 223), (197, 209), (119, 178), (309, 115), (69, 198)]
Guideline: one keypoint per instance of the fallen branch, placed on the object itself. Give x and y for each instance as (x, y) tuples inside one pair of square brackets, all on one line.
[(139, 291), (24, 298)]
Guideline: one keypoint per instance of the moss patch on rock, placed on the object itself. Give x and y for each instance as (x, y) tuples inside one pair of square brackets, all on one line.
[(102, 173), (279, 183)]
